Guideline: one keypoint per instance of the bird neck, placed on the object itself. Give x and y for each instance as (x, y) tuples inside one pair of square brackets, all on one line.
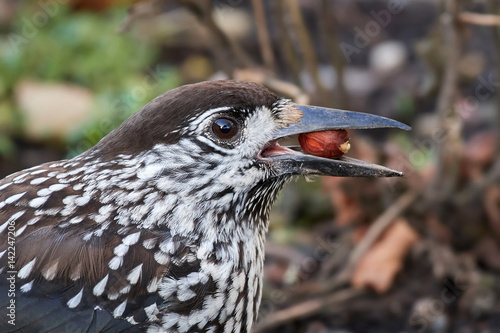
[(220, 216)]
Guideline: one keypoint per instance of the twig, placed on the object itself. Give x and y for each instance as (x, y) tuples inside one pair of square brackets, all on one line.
[(479, 19), (228, 53), (263, 35), (284, 252), (331, 40), (288, 52), (306, 309), (287, 89), (307, 47), (139, 11), (447, 164)]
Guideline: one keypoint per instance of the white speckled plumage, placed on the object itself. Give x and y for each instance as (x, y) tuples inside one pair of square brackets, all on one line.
[(167, 236)]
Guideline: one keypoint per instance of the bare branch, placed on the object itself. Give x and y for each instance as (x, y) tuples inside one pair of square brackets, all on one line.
[(447, 164), (262, 32), (229, 54), (479, 19), (307, 47), (306, 309)]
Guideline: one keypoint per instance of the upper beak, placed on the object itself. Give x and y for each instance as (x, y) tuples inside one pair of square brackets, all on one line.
[(316, 119)]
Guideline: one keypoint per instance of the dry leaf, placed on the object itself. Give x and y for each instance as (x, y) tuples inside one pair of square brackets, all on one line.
[(378, 268)]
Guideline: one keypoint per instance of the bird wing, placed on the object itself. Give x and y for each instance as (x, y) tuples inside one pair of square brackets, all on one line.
[(66, 267)]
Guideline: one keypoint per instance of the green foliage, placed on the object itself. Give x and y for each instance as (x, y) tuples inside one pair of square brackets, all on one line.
[(405, 104), (420, 154), (86, 49)]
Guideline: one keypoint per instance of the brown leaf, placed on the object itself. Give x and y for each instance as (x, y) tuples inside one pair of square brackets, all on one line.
[(378, 268)]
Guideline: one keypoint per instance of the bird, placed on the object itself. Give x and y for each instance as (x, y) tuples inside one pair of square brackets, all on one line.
[(160, 227)]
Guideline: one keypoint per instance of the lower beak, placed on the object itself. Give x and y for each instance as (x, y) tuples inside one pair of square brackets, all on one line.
[(315, 119)]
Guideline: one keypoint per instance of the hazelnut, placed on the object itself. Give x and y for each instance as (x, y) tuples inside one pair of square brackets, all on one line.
[(329, 144)]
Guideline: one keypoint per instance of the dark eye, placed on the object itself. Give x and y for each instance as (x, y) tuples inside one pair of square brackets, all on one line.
[(225, 128)]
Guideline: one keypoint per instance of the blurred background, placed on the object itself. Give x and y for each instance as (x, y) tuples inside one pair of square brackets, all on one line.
[(414, 254)]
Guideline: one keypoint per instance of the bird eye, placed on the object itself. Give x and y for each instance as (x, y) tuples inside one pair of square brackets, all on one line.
[(225, 128)]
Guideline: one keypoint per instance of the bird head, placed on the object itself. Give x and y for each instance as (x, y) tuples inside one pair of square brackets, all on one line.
[(229, 131)]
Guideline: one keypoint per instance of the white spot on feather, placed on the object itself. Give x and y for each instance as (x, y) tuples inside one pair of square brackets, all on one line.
[(37, 202), (26, 287), (150, 171), (161, 258), (121, 250), (113, 296), (99, 288), (82, 201), (20, 178), (76, 219), (149, 243), (3, 226), (185, 295), (125, 289), (170, 319), (73, 303), (151, 312), (50, 273), (33, 220), (120, 309), (14, 198), (115, 263), (132, 238), (44, 192), (135, 274), (40, 180), (153, 285), (26, 270), (20, 230), (57, 187)]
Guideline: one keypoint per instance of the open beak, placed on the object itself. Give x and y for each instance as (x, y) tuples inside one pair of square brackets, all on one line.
[(315, 119)]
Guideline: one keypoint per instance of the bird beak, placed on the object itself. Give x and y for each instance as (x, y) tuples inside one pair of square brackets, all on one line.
[(316, 119)]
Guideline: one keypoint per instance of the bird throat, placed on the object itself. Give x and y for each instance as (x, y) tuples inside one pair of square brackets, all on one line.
[(218, 227)]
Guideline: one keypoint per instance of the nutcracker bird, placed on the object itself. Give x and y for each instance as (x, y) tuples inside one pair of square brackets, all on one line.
[(160, 227)]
